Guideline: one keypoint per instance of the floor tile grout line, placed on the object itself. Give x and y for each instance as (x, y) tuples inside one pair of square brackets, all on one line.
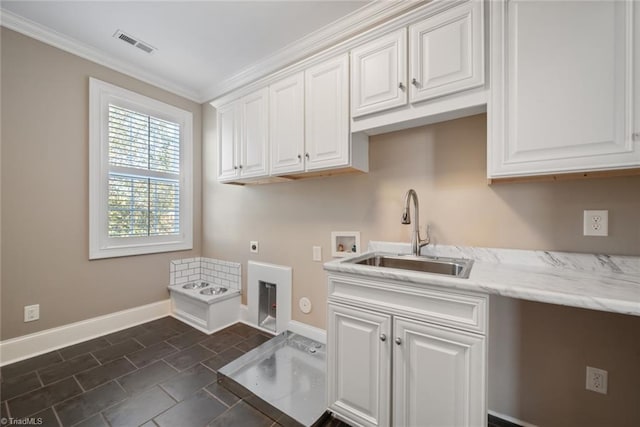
[(167, 342), (111, 379), (39, 388), (208, 367), (55, 414), (96, 359), (6, 405), (39, 379), (216, 397), (81, 386), (130, 361), (169, 394), (143, 346), (70, 397), (105, 409)]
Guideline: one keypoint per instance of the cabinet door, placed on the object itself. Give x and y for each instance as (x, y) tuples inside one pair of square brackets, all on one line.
[(358, 357), (446, 52), (254, 136), (286, 125), (438, 376), (228, 136), (379, 74), (562, 87), (327, 114)]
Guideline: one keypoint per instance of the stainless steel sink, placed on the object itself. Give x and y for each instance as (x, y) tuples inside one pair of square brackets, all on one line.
[(456, 267)]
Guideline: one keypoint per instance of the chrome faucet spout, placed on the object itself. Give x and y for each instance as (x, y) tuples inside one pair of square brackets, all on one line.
[(416, 241)]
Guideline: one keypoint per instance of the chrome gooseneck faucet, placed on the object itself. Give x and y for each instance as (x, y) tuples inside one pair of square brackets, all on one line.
[(416, 241)]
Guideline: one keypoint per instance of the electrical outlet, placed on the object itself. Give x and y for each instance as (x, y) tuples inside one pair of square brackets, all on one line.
[(596, 223), (31, 312), (253, 246), (596, 380)]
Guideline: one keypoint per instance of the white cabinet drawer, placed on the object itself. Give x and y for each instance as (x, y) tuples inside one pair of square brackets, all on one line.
[(457, 309)]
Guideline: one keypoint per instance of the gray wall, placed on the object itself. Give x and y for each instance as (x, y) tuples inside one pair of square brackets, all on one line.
[(45, 196)]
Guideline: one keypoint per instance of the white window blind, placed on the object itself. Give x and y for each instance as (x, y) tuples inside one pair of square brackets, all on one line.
[(144, 175), (141, 179)]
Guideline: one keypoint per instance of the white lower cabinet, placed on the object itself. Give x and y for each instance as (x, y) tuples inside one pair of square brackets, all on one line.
[(437, 375), (359, 365), (386, 368)]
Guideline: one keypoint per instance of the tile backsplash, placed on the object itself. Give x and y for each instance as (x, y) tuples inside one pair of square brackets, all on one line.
[(214, 271)]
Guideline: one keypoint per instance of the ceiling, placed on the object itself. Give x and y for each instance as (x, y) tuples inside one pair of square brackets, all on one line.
[(200, 45)]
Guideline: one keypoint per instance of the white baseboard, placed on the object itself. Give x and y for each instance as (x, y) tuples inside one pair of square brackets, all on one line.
[(26, 346), (511, 419), (308, 331)]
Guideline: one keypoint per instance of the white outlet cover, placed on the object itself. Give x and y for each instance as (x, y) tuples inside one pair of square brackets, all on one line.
[(254, 246), (596, 380), (31, 312), (596, 223)]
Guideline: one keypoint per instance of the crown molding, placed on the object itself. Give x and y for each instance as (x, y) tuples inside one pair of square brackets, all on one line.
[(350, 25), (421, 10), (314, 44), (53, 38)]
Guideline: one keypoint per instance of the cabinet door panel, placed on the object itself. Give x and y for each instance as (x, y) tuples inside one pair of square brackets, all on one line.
[(359, 365), (438, 376), (447, 52), (286, 125), (378, 74), (327, 114), (228, 129), (562, 97), (254, 135)]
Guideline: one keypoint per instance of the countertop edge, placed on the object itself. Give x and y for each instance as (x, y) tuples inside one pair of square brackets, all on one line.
[(611, 292)]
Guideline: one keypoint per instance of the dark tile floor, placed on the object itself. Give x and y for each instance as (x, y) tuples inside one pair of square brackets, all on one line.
[(161, 373)]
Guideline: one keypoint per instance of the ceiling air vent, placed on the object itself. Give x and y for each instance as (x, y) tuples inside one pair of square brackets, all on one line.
[(129, 39)]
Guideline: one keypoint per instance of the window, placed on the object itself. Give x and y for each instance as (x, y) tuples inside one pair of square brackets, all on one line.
[(140, 174)]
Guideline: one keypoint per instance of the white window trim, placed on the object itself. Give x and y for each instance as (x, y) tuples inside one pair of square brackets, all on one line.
[(101, 94)]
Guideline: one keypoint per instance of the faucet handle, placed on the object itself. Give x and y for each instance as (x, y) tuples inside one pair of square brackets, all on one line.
[(426, 240)]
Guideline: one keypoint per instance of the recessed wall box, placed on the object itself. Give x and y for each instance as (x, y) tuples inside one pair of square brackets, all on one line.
[(345, 243)]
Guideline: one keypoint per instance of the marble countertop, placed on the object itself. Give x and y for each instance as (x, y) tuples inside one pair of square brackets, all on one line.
[(598, 282)]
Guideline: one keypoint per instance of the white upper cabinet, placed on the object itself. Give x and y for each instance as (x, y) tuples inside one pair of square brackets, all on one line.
[(243, 138), (254, 134), (564, 75), (297, 126), (327, 135), (286, 125), (430, 70), (379, 74), (446, 52), (228, 140)]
